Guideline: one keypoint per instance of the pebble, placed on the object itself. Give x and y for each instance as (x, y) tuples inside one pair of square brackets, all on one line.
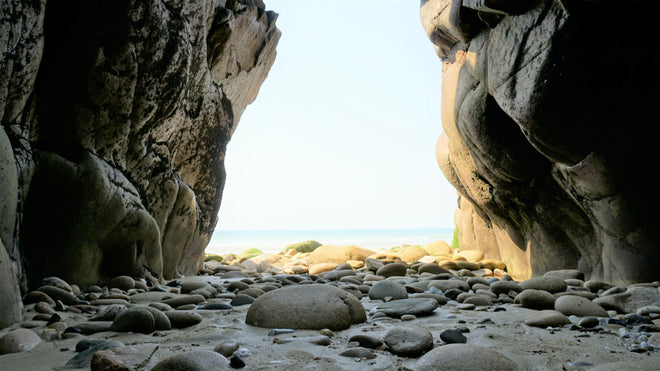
[(358, 352), (392, 269), (409, 341), (280, 331), (123, 358), (366, 341), (236, 362), (546, 283), (414, 306), (227, 348), (134, 320), (452, 336), (87, 348), (386, 288), (318, 340)]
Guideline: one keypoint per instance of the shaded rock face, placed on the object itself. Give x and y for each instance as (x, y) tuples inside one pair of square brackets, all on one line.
[(115, 120), (546, 138)]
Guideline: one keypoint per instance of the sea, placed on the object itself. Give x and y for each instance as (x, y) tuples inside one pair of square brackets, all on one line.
[(273, 241)]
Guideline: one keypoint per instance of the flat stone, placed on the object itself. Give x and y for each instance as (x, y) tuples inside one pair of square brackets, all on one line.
[(227, 348), (19, 340), (198, 360), (242, 299), (183, 319), (57, 293), (579, 306), (546, 283), (184, 300), (415, 306), (123, 358), (36, 297), (409, 341), (503, 287), (629, 301), (88, 328), (387, 288), (449, 284), (566, 274), (313, 307), (358, 352), (464, 357), (547, 318)]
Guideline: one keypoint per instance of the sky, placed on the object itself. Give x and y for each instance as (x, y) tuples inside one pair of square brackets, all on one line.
[(342, 134)]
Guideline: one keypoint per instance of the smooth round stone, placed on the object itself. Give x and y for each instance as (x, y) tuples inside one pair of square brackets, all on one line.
[(547, 318), (409, 341), (415, 306), (43, 307), (470, 255), (122, 282), (392, 269), (408, 317), (503, 287), (237, 285), (579, 306), (88, 328), (536, 299), (189, 286), (57, 282), (36, 297), (312, 307), (358, 352), (227, 348), (452, 336), (57, 293), (161, 322), (588, 322), (183, 319), (366, 341), (161, 306), (479, 300), (466, 306), (387, 288), (122, 358), (432, 268), (449, 284), (464, 357), (242, 299), (137, 319), (199, 360), (19, 340), (470, 266), (546, 283), (441, 299)]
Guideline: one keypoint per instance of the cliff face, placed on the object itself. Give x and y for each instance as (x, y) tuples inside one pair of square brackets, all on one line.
[(115, 119), (547, 108)]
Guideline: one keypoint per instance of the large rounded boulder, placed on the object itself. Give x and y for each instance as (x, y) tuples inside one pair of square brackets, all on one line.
[(312, 307)]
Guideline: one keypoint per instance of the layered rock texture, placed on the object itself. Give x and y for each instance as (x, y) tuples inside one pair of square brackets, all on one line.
[(547, 110), (115, 119)]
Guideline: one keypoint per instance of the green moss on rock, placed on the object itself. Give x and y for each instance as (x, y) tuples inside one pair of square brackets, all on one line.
[(455, 244), (303, 247)]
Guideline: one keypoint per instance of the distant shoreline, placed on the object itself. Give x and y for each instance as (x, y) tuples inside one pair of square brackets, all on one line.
[(273, 241)]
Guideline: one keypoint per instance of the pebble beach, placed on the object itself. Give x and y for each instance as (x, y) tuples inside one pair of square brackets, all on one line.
[(322, 307)]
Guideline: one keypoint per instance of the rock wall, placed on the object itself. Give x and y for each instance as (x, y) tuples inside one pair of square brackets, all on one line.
[(115, 120), (547, 109)]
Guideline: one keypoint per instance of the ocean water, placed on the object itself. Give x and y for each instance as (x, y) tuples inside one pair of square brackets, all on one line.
[(235, 241)]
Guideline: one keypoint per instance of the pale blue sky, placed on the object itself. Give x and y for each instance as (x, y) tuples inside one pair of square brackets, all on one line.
[(342, 134)]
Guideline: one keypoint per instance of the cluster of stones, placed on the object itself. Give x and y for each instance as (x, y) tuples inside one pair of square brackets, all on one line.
[(333, 300), (313, 258)]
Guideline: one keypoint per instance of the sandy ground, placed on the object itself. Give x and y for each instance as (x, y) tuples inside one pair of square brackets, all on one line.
[(531, 348)]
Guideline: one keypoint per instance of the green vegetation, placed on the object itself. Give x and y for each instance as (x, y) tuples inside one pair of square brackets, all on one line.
[(455, 244), (249, 253), (213, 257), (307, 246)]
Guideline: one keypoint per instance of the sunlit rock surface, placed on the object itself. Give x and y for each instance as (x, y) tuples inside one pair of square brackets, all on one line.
[(547, 111), (115, 120)]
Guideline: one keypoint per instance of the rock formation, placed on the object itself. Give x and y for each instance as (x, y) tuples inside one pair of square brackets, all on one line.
[(547, 109), (115, 120)]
